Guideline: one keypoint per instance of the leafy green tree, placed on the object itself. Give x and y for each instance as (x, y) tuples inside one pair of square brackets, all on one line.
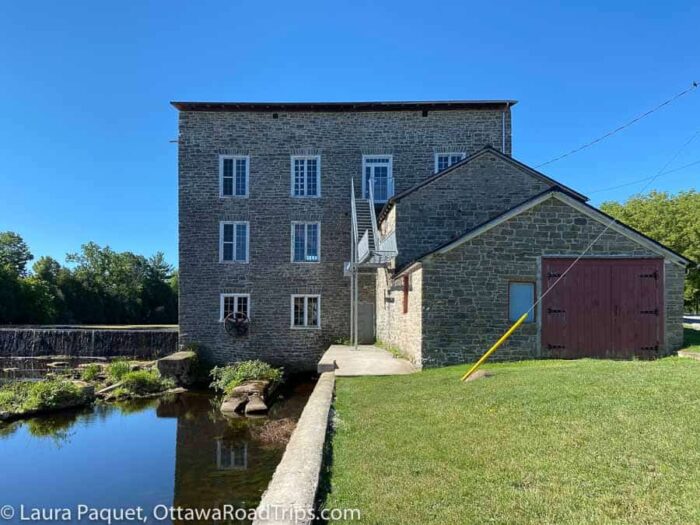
[(103, 286), (158, 300), (10, 295), (673, 220), (14, 252)]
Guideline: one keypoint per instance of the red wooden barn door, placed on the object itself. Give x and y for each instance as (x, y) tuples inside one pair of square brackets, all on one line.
[(603, 308)]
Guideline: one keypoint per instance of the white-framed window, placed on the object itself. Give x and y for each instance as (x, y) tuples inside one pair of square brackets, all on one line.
[(306, 311), (231, 456), (445, 160), (521, 297), (306, 175), (306, 242), (233, 241), (378, 168), (234, 172), (230, 303)]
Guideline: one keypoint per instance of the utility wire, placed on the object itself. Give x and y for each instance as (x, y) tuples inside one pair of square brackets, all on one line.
[(623, 126), (632, 183), (612, 221)]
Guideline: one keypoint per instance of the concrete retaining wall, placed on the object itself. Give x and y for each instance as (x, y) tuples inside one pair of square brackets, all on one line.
[(81, 342), (290, 496)]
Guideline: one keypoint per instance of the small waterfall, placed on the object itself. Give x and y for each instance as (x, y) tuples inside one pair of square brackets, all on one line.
[(76, 342)]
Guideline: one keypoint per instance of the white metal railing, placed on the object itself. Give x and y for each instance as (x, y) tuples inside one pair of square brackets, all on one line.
[(387, 246), (354, 210), (373, 216), (363, 248)]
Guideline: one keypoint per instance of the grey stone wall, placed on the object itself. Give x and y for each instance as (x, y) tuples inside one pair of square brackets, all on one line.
[(465, 291), (460, 200), (398, 329), (270, 278)]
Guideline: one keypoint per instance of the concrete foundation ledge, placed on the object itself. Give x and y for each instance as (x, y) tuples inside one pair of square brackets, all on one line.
[(291, 494)]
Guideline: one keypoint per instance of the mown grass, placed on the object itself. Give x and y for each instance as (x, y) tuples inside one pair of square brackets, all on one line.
[(577, 442)]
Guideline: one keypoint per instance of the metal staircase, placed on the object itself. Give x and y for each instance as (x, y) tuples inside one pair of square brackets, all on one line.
[(369, 250)]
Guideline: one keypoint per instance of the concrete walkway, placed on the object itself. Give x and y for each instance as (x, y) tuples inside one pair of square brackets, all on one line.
[(367, 360)]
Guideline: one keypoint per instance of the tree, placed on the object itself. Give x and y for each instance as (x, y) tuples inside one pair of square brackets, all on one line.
[(47, 269), (14, 252), (673, 220)]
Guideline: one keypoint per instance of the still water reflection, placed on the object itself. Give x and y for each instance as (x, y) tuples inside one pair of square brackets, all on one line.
[(178, 451)]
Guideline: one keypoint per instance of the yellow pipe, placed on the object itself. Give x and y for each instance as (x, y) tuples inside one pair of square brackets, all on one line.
[(495, 346)]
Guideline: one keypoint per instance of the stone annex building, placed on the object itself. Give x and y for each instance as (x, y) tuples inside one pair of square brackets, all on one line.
[(405, 222)]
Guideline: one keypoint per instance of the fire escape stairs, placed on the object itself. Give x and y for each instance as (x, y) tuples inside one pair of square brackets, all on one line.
[(369, 248)]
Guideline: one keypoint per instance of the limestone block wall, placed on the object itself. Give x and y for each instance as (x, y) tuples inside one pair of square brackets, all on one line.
[(269, 139), (465, 291), (394, 327)]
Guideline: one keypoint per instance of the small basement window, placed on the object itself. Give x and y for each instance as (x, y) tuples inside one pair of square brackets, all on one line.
[(521, 297)]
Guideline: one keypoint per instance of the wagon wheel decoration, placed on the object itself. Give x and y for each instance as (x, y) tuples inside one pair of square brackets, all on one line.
[(236, 323)]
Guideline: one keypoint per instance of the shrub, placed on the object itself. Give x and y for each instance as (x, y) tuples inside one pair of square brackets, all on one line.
[(141, 382), (229, 377), (21, 396), (90, 372), (12, 395), (116, 370), (58, 393)]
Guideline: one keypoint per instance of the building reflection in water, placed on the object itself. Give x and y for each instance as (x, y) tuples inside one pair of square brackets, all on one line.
[(222, 461)]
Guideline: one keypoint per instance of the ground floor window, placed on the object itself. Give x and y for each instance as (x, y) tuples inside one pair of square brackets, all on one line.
[(521, 297), (306, 311), (234, 303)]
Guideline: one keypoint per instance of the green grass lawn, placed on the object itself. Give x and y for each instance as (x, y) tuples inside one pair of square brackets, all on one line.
[(587, 441)]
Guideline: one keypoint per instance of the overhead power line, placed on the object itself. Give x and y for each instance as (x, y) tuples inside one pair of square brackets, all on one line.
[(623, 126), (632, 183), (611, 222)]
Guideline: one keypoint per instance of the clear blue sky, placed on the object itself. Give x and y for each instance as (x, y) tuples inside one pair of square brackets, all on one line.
[(85, 121)]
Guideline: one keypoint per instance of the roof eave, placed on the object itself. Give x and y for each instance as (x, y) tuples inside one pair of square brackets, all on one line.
[(427, 105)]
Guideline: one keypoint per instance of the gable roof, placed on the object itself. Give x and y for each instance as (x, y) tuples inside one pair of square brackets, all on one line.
[(483, 151), (426, 105), (530, 203)]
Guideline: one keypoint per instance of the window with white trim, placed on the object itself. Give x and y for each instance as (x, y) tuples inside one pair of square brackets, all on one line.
[(230, 303), (233, 175), (306, 241), (445, 160), (306, 311), (378, 168), (231, 456), (233, 241), (306, 175)]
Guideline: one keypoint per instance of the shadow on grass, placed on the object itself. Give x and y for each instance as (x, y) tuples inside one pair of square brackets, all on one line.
[(324, 482)]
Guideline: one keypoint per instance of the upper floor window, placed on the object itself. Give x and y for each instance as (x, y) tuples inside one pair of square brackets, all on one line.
[(445, 160), (233, 175), (306, 242), (306, 176), (306, 311), (233, 242), (377, 169), (231, 303)]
